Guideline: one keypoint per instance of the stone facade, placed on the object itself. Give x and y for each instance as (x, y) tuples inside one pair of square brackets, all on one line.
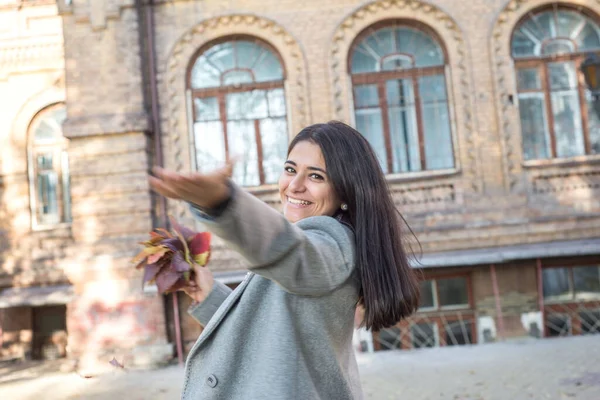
[(93, 56)]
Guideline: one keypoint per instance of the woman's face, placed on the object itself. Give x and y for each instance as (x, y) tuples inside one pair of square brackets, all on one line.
[(304, 186)]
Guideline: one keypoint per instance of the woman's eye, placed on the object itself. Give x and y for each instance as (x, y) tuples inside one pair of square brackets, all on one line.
[(289, 169), (316, 176)]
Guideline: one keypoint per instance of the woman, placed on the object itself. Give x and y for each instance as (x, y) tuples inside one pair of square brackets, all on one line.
[(286, 331)]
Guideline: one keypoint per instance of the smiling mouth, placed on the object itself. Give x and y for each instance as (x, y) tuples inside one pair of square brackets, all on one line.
[(298, 202)]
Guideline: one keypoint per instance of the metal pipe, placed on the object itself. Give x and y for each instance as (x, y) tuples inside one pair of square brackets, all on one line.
[(162, 211), (499, 317), (540, 282)]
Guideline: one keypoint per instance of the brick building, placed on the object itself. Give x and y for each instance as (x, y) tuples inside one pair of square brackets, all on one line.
[(478, 112)]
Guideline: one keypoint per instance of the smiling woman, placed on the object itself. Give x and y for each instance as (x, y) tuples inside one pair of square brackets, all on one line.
[(304, 187), (338, 244)]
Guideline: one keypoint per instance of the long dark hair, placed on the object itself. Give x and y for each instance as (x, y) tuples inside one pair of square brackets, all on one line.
[(389, 286)]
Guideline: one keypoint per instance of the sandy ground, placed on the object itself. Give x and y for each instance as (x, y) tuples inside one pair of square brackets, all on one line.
[(567, 368)]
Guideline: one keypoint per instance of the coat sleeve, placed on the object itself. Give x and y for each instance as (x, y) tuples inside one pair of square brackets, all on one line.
[(203, 311), (312, 257)]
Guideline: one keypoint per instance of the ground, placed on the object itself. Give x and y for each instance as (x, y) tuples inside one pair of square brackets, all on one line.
[(557, 369)]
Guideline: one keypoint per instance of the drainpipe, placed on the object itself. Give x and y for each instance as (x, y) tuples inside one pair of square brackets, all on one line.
[(499, 317), (146, 18), (540, 281)]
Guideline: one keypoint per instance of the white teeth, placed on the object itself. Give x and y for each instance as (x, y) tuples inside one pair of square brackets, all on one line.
[(300, 202)]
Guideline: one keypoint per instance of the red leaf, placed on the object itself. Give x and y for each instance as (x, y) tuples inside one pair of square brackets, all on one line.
[(157, 256), (200, 243)]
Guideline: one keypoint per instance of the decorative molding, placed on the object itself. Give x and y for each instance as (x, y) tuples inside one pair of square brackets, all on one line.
[(31, 56), (425, 195), (449, 31), (566, 182), (174, 108), (505, 85)]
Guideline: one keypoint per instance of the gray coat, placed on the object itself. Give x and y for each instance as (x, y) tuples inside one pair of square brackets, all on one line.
[(286, 331)]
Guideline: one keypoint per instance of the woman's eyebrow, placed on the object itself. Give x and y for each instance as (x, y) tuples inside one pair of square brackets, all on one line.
[(310, 168)]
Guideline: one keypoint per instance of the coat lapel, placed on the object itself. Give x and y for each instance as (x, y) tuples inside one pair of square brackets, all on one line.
[(221, 313)]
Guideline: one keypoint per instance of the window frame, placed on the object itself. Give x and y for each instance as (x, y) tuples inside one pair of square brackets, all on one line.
[(380, 78), (436, 294), (59, 150), (220, 92), (573, 299), (541, 63)]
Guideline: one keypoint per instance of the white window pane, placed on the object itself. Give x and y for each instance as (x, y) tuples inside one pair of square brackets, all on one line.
[(563, 75), (242, 143), (66, 186), (207, 109), (210, 145), (247, 105), (534, 126), (366, 96), (274, 145), (237, 77), (436, 123), (403, 125), (276, 98), (205, 74), (364, 61), (368, 122), (568, 130), (47, 191), (528, 79), (268, 68), (438, 139), (593, 124)]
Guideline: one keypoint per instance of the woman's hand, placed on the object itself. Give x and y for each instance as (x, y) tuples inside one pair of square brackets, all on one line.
[(203, 190), (201, 286)]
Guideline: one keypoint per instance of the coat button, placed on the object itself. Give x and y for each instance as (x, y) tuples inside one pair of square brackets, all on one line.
[(211, 381)]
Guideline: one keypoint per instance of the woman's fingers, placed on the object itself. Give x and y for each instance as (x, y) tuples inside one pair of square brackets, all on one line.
[(162, 188)]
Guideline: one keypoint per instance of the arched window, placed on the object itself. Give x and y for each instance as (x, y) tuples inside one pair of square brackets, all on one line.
[(555, 107), (49, 167), (239, 109), (400, 98)]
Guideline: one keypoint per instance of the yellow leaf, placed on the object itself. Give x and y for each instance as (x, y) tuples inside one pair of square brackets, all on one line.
[(201, 259)]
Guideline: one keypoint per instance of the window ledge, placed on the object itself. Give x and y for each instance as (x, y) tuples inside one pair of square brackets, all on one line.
[(563, 162), (421, 175)]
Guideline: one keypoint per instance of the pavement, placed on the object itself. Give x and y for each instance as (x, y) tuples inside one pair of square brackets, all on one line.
[(556, 369)]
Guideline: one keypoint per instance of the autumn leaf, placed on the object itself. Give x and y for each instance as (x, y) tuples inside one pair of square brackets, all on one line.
[(179, 264), (165, 279), (158, 255), (202, 259), (116, 364), (200, 243), (150, 272)]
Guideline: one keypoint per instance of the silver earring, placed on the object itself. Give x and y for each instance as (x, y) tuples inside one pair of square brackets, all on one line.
[(344, 207)]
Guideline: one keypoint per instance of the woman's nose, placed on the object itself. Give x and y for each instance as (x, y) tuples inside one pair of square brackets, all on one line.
[(297, 183)]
